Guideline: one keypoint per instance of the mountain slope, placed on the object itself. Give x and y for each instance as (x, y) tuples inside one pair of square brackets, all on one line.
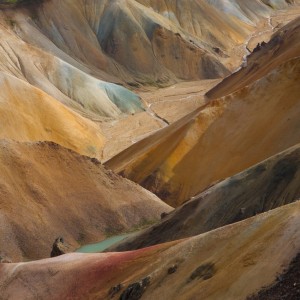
[(207, 146), (263, 60), (186, 269), (59, 75), (28, 114), (85, 53), (129, 42), (48, 191), (265, 186)]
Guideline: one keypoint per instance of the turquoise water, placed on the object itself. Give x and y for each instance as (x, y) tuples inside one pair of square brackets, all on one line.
[(101, 246)]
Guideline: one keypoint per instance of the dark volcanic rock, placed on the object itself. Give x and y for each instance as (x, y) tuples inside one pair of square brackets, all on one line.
[(287, 285), (136, 290), (59, 247), (172, 270), (204, 272), (115, 290), (163, 215), (4, 259)]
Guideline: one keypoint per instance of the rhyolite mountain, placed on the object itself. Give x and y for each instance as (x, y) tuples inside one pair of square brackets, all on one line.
[(270, 184), (252, 123), (252, 252), (173, 122)]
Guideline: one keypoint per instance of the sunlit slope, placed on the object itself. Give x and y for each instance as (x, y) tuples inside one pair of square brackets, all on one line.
[(219, 140), (246, 250), (270, 184), (48, 191), (61, 77), (226, 22), (80, 53), (139, 42), (28, 114), (127, 40), (284, 45)]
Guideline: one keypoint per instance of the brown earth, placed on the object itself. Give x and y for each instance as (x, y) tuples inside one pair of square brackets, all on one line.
[(28, 114), (246, 251), (66, 71), (47, 191), (74, 51)]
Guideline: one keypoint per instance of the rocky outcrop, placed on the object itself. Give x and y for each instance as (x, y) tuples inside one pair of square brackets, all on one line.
[(265, 58), (59, 247), (286, 286), (4, 259), (135, 290)]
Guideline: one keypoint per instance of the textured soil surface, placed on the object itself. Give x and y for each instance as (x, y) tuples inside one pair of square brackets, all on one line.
[(273, 183), (171, 163), (47, 191), (286, 287), (229, 263)]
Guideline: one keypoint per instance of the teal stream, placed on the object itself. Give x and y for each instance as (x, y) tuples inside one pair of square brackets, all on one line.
[(101, 246)]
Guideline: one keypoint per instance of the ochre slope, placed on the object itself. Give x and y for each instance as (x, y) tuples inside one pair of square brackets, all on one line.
[(28, 114), (48, 191), (219, 140), (81, 52), (284, 45), (229, 263), (272, 183)]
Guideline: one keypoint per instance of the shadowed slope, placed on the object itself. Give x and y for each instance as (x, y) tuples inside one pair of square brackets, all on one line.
[(270, 184), (129, 41), (48, 191), (285, 286), (201, 265), (81, 52), (219, 140)]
